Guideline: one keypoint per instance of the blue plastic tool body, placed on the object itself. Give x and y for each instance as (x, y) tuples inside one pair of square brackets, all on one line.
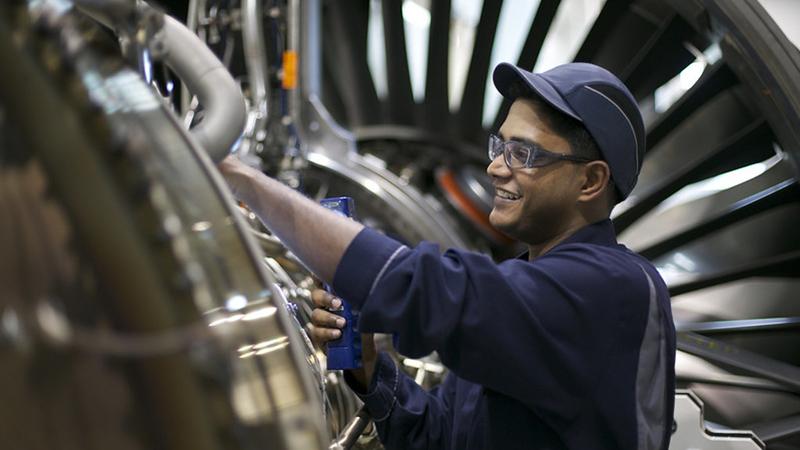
[(344, 353)]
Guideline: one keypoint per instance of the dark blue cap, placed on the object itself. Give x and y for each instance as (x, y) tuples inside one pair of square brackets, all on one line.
[(600, 101)]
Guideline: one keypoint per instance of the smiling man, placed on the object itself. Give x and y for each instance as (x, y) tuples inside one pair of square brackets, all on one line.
[(570, 346)]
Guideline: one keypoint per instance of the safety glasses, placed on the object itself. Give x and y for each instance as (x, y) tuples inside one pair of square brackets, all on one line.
[(517, 154)]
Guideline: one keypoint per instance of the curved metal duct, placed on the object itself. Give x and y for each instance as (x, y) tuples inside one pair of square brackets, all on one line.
[(206, 77), (135, 308), (148, 34)]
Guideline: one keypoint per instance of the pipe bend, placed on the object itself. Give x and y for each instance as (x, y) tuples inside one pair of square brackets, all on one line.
[(206, 77)]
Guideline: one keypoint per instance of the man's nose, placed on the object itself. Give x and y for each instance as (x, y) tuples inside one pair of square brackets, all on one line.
[(498, 168)]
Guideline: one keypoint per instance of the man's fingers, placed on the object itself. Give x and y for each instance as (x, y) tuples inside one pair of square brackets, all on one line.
[(323, 299), (322, 318), (325, 325), (321, 335)]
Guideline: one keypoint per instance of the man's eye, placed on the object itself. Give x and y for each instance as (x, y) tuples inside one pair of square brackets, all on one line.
[(519, 153)]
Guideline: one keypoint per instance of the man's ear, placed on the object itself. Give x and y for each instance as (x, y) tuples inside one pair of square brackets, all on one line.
[(596, 182)]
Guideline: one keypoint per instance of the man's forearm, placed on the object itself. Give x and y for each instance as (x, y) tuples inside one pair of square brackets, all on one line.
[(317, 236)]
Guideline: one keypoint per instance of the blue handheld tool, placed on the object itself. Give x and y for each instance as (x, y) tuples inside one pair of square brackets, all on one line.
[(345, 352)]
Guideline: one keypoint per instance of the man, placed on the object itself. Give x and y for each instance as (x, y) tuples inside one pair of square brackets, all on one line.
[(569, 347)]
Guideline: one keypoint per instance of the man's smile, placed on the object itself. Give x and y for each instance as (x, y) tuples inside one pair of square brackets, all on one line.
[(506, 195)]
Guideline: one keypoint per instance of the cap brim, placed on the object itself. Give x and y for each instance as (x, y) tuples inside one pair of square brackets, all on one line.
[(505, 75)]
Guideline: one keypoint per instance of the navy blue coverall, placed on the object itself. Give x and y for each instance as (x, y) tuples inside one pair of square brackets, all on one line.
[(573, 350)]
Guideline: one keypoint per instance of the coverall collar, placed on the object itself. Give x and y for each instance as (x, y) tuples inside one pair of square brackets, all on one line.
[(601, 233)]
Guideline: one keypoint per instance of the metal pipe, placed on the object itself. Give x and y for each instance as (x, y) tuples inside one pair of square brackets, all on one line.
[(208, 79), (304, 25), (271, 245), (255, 54), (352, 431), (195, 6)]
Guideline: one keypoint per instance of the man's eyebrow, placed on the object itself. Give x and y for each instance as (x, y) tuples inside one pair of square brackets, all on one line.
[(518, 139)]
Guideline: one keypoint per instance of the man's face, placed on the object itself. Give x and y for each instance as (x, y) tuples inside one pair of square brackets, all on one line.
[(533, 205)]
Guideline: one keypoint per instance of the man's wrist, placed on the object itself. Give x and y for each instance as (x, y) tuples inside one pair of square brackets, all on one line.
[(362, 377), (380, 394)]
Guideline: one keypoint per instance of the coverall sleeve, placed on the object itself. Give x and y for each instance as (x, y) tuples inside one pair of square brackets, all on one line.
[(407, 416), (542, 332)]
